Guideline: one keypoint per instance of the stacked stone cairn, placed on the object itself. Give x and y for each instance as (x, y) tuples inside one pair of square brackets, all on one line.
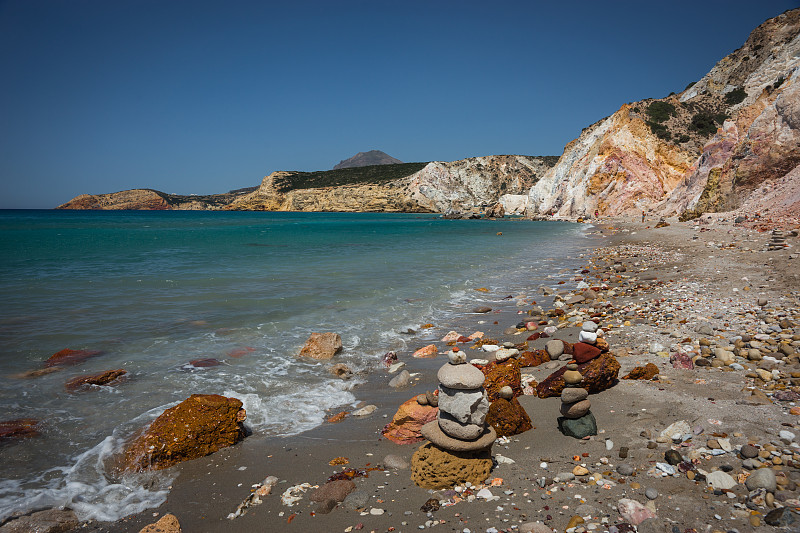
[(576, 419), (460, 440), (777, 240)]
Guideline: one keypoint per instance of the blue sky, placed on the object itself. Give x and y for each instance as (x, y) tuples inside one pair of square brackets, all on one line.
[(199, 97)]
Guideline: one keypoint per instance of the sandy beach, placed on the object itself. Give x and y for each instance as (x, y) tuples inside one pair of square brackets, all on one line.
[(694, 287)]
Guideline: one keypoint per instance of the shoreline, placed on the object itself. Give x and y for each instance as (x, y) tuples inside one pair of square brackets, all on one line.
[(209, 488)]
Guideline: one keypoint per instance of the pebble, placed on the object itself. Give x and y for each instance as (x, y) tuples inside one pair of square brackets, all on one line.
[(625, 469), (376, 511), (651, 493)]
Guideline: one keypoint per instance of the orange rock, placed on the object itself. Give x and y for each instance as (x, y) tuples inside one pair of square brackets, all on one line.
[(500, 374), (406, 425), (508, 417), (322, 346), (196, 427), (794, 411), (338, 417), (533, 358), (643, 372), (427, 352), (599, 374), (100, 378), (166, 524)]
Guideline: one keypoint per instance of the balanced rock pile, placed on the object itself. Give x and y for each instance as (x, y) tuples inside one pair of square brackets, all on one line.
[(576, 419), (777, 240), (460, 444)]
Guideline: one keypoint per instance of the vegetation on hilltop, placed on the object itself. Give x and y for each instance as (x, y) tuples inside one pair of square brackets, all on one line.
[(351, 176)]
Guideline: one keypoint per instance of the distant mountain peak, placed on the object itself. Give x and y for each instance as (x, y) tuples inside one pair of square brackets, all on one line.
[(365, 159)]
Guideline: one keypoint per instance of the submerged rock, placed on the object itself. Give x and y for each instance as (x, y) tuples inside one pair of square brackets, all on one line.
[(196, 427), (107, 377), (322, 346), (48, 521), (20, 428), (69, 356)]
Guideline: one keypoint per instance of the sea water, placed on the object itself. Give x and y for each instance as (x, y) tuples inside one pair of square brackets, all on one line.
[(153, 291)]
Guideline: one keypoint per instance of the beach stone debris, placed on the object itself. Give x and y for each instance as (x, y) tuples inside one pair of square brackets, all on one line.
[(625, 469), (196, 427), (68, 356), (47, 521), (482, 309), (748, 451), (533, 358), (365, 411), (166, 524), (681, 360), (534, 527), (341, 370), (649, 371), (633, 511), (673, 457), (427, 352), (763, 478), (107, 377), (679, 428), (406, 425), (403, 379), (598, 374), (589, 337), (19, 428), (435, 468), (322, 346), (508, 417), (782, 517), (358, 499), (720, 480)]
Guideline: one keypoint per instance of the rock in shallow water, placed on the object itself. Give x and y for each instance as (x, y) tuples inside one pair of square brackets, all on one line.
[(322, 346)]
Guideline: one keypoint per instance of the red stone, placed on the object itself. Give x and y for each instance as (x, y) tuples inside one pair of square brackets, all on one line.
[(100, 378), (583, 352), (196, 427), (205, 363), (462, 338), (69, 356), (20, 428), (239, 352), (534, 336), (599, 374)]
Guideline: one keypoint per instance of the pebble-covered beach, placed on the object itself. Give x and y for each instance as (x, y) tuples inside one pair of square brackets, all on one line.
[(701, 312)]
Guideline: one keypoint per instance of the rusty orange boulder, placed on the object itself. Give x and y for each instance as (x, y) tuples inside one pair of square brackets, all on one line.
[(533, 358), (599, 374), (322, 346), (101, 378), (508, 417), (406, 426), (649, 371), (196, 427), (499, 374)]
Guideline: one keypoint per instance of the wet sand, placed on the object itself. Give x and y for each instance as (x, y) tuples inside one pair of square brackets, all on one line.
[(696, 281)]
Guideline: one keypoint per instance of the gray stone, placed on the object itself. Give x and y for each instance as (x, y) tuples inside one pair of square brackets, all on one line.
[(357, 499), (672, 457), (48, 521), (456, 429), (465, 406), (751, 464), (578, 427), (625, 469), (506, 392), (395, 462), (651, 493), (554, 348), (482, 309), (534, 527), (763, 478), (651, 525), (574, 394), (461, 377), (504, 354), (434, 433), (590, 326), (704, 329), (400, 380), (720, 480), (783, 516), (575, 410), (748, 451)]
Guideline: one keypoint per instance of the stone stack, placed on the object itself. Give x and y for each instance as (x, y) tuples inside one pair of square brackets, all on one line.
[(777, 240), (460, 440), (576, 419)]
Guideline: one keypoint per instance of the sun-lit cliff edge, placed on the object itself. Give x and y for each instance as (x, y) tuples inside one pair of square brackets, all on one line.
[(708, 148)]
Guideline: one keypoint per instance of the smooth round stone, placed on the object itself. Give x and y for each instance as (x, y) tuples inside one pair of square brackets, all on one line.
[(589, 326), (624, 469), (509, 345), (457, 357), (748, 451), (434, 433), (456, 429), (572, 366), (395, 462), (720, 480), (651, 493), (574, 394), (589, 337), (554, 348), (503, 354), (763, 478), (572, 377), (460, 377), (672, 457), (506, 392), (575, 410)]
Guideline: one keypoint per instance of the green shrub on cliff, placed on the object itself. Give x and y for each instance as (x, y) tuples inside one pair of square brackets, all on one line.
[(660, 111), (735, 96)]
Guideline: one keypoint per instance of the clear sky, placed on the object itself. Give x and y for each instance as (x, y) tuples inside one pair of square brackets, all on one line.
[(200, 97)]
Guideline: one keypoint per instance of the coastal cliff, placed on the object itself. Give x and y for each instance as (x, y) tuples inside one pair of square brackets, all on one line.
[(710, 148)]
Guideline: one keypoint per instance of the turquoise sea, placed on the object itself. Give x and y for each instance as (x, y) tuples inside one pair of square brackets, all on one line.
[(153, 291)]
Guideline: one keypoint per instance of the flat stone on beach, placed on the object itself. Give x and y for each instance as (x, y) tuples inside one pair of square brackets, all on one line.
[(434, 433), (554, 348), (573, 394), (461, 377)]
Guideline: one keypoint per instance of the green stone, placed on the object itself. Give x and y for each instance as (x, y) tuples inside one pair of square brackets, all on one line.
[(578, 427)]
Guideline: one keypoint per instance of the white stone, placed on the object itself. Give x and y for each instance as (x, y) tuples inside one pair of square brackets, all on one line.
[(680, 427), (786, 435), (588, 337), (505, 353), (590, 326), (719, 480), (490, 347)]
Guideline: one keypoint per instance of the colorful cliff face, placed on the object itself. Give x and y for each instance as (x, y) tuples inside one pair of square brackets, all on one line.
[(709, 148)]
